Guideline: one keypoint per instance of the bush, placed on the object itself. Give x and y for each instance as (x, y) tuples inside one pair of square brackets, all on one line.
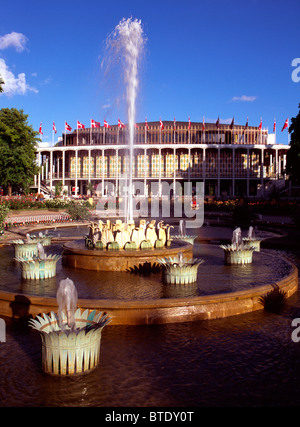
[(78, 210), (4, 211)]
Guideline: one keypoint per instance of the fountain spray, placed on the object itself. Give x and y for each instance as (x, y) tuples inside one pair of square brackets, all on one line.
[(127, 42)]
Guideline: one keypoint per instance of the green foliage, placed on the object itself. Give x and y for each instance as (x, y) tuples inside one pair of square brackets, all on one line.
[(58, 188), (1, 83), (18, 143), (293, 155), (4, 211), (78, 210)]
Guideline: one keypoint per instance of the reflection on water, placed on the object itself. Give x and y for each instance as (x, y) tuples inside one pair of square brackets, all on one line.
[(213, 277), (246, 360)]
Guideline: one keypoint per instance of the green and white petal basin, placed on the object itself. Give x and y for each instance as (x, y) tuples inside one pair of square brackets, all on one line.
[(179, 270), (70, 351)]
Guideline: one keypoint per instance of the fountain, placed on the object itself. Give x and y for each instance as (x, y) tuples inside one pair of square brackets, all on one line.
[(179, 270), (122, 246), (182, 233), (237, 253), (25, 248), (42, 238), (40, 266), (251, 240), (127, 42), (71, 340)]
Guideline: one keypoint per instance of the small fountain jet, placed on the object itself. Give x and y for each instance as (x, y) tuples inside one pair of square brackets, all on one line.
[(67, 302)]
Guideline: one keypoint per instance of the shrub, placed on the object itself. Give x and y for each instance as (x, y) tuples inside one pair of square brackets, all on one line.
[(78, 210)]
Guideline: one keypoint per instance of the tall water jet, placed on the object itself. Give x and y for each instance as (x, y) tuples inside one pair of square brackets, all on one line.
[(127, 42)]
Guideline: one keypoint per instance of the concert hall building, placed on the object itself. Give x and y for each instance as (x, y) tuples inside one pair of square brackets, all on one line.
[(231, 160)]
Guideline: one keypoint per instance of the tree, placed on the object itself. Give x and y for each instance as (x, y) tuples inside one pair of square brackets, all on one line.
[(1, 83), (18, 143), (293, 155)]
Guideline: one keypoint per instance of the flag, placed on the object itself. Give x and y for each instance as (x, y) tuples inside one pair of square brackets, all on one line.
[(232, 123), (161, 124), (246, 125), (274, 126), (121, 124), (68, 127), (189, 123), (80, 125), (146, 123), (286, 125), (260, 125), (135, 126), (203, 125), (95, 124), (40, 129), (174, 124), (218, 123), (106, 125), (54, 128)]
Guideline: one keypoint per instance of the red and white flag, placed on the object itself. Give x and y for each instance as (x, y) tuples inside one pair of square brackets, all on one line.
[(174, 124), (286, 125), (189, 123), (161, 124), (80, 125), (121, 124), (68, 127), (40, 129), (95, 124), (203, 125), (106, 125), (274, 125), (218, 123), (54, 127), (260, 125), (146, 123)]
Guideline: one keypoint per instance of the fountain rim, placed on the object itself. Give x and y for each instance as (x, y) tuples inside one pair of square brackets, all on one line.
[(169, 310)]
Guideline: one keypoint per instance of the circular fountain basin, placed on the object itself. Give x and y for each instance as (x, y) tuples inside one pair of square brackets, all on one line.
[(220, 290), (76, 255)]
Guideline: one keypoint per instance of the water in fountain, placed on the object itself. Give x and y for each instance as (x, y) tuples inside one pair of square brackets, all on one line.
[(67, 302), (41, 251), (127, 43), (250, 233), (237, 238), (182, 228)]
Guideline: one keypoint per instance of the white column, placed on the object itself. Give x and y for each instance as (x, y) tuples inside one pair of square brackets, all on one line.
[(103, 167), (174, 172), (262, 172), (204, 167), (145, 172), (63, 167), (160, 171), (233, 172), (218, 190), (248, 171), (51, 169), (76, 171), (277, 164), (39, 176), (89, 174)]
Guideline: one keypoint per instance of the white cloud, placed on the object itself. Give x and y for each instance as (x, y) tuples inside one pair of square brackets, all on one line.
[(14, 85), (16, 40), (244, 98)]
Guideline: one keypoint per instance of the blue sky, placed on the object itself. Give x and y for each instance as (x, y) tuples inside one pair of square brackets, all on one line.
[(202, 58)]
